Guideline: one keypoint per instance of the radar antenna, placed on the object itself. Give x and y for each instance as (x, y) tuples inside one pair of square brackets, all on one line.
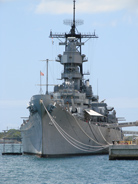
[(73, 23), (70, 22), (78, 36)]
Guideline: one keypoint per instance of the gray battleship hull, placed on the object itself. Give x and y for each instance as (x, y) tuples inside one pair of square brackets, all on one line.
[(62, 134), (70, 120)]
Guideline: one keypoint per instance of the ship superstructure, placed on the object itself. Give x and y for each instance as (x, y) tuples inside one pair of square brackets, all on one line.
[(75, 90), (70, 120)]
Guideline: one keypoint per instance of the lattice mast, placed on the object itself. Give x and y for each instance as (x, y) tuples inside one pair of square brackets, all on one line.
[(73, 34)]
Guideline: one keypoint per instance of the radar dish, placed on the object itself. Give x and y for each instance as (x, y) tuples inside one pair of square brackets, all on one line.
[(70, 22)]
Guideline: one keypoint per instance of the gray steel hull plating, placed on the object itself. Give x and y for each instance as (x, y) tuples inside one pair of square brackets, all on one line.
[(70, 136)]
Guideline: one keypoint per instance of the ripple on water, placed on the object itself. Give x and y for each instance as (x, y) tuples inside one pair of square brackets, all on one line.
[(74, 170)]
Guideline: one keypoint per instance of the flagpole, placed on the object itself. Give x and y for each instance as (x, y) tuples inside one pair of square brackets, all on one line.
[(47, 60), (47, 78), (40, 83)]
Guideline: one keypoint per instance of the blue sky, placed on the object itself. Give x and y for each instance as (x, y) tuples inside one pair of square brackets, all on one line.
[(24, 41)]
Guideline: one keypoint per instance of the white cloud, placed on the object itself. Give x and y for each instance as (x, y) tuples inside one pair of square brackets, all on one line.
[(87, 6), (54, 7)]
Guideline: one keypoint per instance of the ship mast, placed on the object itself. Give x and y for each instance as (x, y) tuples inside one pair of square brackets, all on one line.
[(74, 34), (72, 31), (73, 26)]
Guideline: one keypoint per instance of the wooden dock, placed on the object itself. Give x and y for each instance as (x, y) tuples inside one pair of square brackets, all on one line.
[(123, 152)]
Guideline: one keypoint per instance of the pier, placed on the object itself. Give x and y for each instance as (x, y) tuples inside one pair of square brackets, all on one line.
[(123, 152), (11, 147)]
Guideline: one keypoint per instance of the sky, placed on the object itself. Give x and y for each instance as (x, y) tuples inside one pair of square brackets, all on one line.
[(112, 58)]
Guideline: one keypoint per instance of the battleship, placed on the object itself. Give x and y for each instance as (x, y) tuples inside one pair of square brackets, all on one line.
[(70, 121)]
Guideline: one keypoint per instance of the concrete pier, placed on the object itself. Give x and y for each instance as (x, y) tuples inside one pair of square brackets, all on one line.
[(12, 149), (123, 152)]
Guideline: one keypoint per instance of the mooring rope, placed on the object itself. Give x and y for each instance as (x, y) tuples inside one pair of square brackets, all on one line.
[(103, 136), (87, 134), (71, 140)]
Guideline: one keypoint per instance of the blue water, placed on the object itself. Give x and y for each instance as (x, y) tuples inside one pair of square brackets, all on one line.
[(75, 170)]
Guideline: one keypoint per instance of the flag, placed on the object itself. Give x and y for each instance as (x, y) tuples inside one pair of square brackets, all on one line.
[(41, 73), (52, 41)]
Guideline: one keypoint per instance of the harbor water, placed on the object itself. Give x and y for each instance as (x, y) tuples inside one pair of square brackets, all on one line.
[(72, 170)]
